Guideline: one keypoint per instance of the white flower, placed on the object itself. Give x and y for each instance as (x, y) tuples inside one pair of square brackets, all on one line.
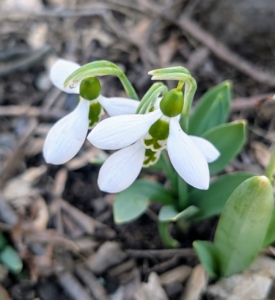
[(188, 154), (68, 135)]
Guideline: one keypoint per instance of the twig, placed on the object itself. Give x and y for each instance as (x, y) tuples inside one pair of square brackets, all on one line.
[(29, 111), (73, 287), (218, 48), (224, 53), (13, 160), (90, 225), (7, 214), (25, 62), (51, 13), (251, 102), (92, 283), (165, 253)]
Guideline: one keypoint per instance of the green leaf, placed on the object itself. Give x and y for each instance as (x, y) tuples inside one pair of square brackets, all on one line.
[(228, 139), (243, 224), (211, 202), (10, 258), (169, 213), (206, 252), (212, 109), (165, 235), (270, 234), (133, 202)]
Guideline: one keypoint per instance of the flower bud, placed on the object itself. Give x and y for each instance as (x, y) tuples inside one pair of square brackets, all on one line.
[(171, 104), (90, 88)]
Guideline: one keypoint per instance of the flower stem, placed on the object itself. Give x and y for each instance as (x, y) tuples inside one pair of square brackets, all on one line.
[(184, 121), (129, 89), (182, 193), (170, 172), (180, 85), (167, 239), (271, 166)]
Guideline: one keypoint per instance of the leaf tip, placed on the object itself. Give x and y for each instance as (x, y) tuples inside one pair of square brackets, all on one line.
[(263, 180), (228, 83)]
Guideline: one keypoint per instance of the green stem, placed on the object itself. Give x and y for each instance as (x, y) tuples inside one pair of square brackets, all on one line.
[(169, 170), (129, 89), (182, 194), (271, 166), (184, 122), (180, 85), (150, 98), (167, 239)]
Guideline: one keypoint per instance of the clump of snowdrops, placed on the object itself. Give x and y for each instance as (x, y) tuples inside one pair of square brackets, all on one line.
[(159, 132)]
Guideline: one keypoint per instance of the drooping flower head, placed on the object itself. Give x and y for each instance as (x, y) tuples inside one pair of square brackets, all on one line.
[(68, 135), (141, 138)]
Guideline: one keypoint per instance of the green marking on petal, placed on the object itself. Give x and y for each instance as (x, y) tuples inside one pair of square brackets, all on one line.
[(90, 88), (159, 130), (95, 113), (158, 133), (151, 157), (153, 144)]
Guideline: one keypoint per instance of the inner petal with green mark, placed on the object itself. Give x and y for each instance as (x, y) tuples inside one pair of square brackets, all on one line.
[(95, 112), (157, 135), (151, 157)]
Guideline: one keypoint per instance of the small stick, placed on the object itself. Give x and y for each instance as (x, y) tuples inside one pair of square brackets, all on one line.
[(162, 253)]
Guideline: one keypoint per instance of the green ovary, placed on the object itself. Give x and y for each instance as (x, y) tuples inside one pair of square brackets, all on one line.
[(94, 113), (90, 88), (171, 104)]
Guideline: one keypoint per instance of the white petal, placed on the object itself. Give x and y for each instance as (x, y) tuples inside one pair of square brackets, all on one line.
[(67, 135), (60, 71), (121, 131), (186, 158), (210, 152), (118, 106), (121, 169)]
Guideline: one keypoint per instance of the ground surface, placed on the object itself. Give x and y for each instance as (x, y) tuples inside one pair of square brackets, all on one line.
[(55, 216)]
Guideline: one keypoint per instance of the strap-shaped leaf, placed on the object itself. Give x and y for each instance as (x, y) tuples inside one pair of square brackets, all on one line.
[(211, 202), (212, 109), (270, 234), (171, 214), (243, 224), (206, 252), (228, 139), (10, 258), (133, 202)]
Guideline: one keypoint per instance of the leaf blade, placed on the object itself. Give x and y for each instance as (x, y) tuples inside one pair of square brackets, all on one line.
[(243, 224), (211, 202), (228, 139), (212, 109), (133, 202)]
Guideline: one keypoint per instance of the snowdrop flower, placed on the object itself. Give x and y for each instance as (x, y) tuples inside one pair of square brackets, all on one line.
[(68, 135), (141, 138)]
